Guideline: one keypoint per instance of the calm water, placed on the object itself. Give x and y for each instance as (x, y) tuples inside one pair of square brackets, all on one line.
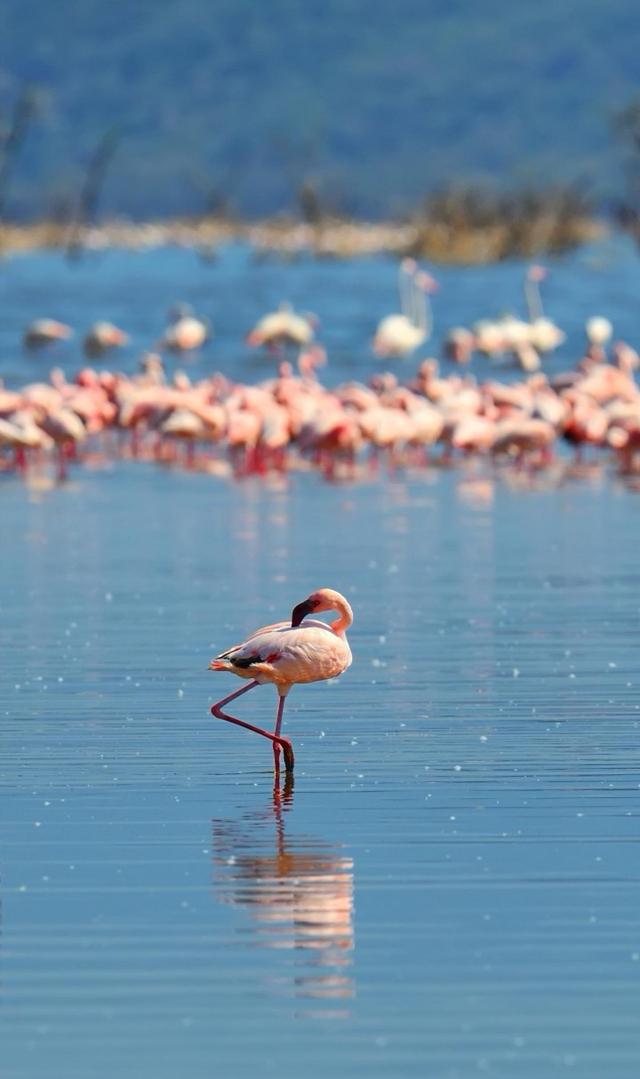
[(451, 888)]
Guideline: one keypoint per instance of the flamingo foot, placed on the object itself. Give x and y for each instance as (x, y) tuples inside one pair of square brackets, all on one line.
[(287, 752)]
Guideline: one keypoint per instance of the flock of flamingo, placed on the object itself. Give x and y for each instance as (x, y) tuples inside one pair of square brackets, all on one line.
[(292, 420)]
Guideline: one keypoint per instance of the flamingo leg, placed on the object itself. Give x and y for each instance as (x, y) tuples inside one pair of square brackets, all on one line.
[(284, 743), (276, 745)]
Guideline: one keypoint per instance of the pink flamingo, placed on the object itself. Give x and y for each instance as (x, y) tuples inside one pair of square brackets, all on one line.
[(101, 338), (282, 328), (185, 332), (45, 330), (288, 653)]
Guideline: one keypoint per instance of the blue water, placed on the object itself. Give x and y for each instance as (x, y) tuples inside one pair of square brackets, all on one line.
[(451, 886)]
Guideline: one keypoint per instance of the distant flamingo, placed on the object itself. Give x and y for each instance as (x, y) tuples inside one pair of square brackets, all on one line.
[(398, 335), (488, 337), (101, 338), (544, 335), (185, 332), (521, 340), (459, 344), (598, 331), (288, 653), (282, 328), (43, 331)]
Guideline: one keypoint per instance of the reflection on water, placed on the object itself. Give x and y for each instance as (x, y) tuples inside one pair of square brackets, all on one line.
[(299, 893)]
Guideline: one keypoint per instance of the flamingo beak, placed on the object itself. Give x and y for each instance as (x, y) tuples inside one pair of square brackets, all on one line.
[(300, 611)]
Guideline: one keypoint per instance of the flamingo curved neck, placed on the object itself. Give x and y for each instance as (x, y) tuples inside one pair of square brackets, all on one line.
[(414, 303), (405, 286), (533, 299), (341, 624), (423, 312)]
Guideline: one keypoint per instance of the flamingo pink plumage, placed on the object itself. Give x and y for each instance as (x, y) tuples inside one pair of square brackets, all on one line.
[(288, 653)]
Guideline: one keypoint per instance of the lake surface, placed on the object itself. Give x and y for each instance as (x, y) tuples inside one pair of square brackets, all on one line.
[(451, 887)]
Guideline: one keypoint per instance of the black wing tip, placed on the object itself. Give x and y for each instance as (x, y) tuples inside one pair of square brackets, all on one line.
[(244, 662)]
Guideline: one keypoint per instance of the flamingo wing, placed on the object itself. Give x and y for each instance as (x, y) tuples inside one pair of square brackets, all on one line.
[(281, 653)]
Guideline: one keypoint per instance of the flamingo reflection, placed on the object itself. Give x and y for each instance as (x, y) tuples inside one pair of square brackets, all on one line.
[(299, 892)]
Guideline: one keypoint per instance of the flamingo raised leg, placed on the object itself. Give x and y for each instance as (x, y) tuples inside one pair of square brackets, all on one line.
[(275, 737)]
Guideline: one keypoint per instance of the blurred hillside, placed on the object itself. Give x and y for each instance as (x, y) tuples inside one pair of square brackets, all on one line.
[(244, 99)]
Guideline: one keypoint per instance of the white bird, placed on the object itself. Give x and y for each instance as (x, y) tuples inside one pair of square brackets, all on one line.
[(400, 334), (45, 330), (544, 335), (185, 332), (282, 328), (598, 330)]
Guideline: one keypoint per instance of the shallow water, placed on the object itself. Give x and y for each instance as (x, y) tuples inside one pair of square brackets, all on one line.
[(451, 886), (449, 889)]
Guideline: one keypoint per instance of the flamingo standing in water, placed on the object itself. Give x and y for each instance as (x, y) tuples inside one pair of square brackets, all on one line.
[(185, 332), (45, 330), (101, 338), (397, 335), (544, 335), (283, 328), (598, 331), (288, 653)]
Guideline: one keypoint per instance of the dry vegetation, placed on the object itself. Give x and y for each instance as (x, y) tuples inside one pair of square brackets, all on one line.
[(462, 226), (475, 225)]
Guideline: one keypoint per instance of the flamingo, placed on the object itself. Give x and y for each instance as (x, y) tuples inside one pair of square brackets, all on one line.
[(282, 328), (544, 335), (288, 653), (45, 330), (101, 338), (398, 335), (488, 337), (523, 340), (459, 344), (186, 332), (598, 331)]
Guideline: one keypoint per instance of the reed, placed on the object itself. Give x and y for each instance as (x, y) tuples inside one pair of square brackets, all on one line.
[(477, 225)]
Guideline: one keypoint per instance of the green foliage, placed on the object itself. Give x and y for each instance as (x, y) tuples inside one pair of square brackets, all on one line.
[(378, 103)]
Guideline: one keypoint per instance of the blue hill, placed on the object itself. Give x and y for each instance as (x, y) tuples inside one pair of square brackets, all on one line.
[(379, 102)]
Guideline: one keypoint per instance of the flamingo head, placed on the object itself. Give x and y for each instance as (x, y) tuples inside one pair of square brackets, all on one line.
[(87, 377), (310, 358), (426, 282), (115, 337), (323, 599), (536, 273)]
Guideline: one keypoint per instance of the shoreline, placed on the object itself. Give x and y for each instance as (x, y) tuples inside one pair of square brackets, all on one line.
[(286, 238)]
